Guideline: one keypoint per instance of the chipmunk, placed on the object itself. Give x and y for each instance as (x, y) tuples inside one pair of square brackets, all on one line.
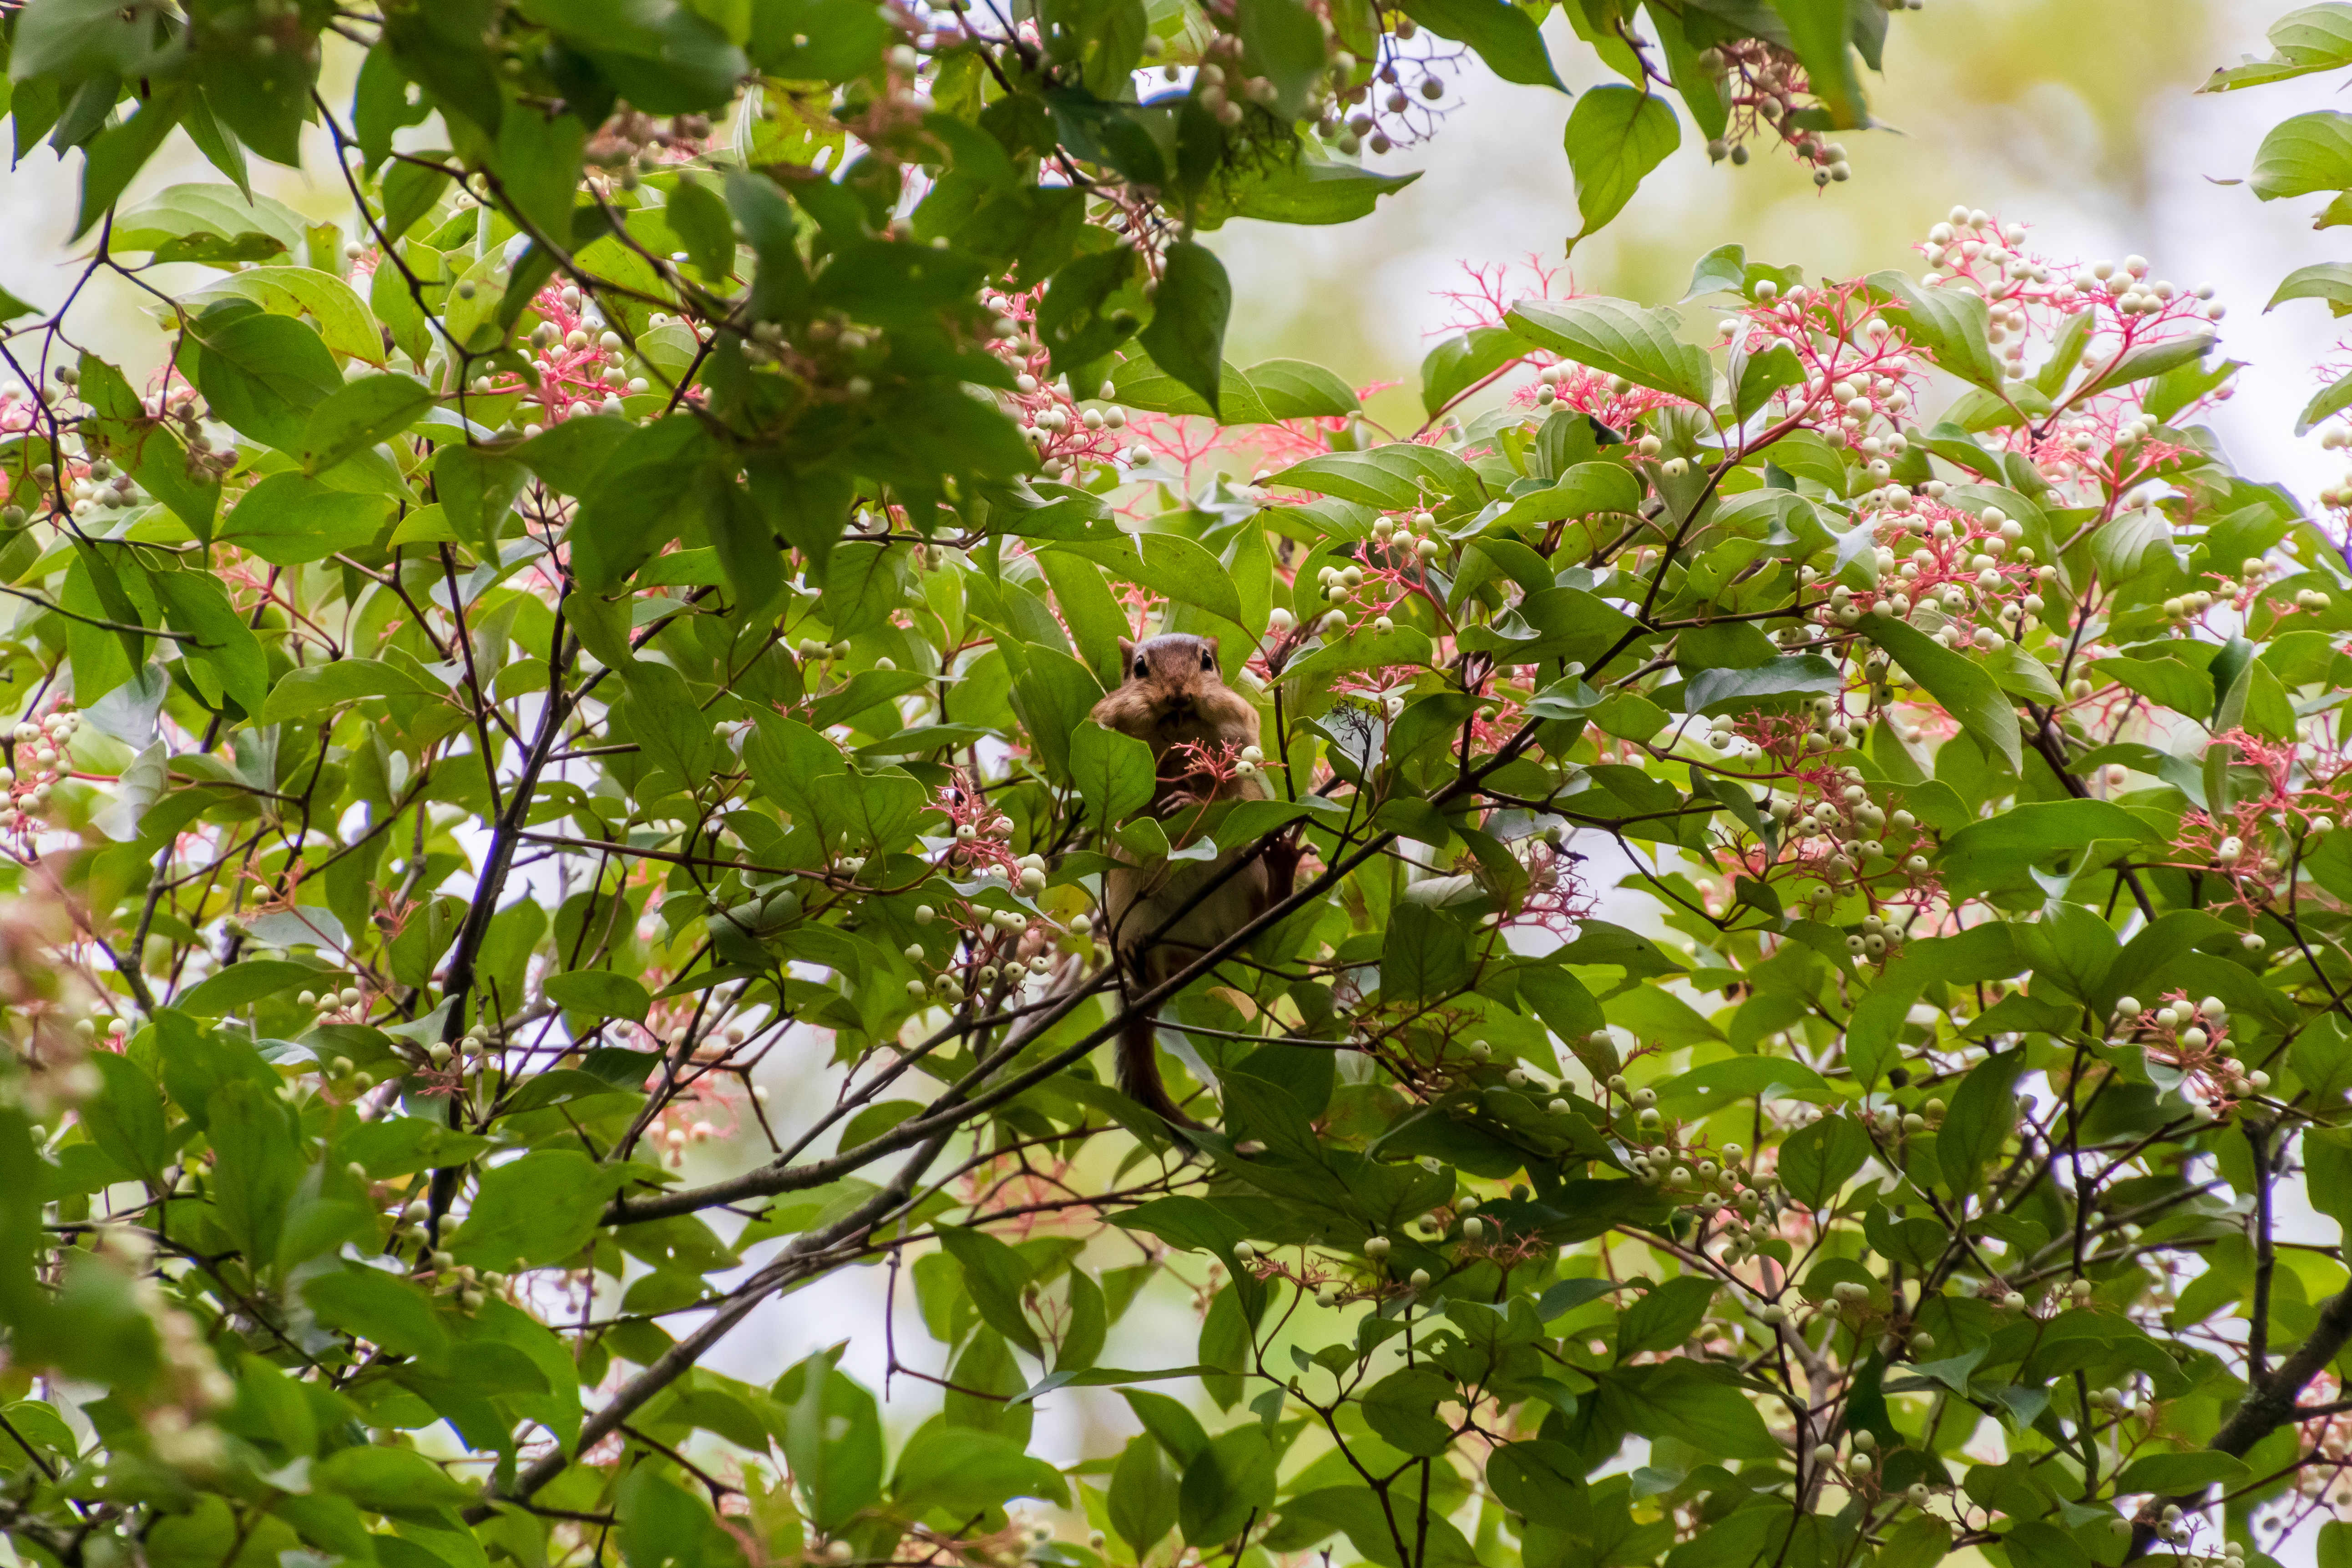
[(1172, 696)]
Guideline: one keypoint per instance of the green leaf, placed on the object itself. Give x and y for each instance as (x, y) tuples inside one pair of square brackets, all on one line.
[(1226, 1484), (1505, 36), (1285, 44), (600, 992), (1313, 192), (2142, 361), (207, 224), (1459, 363), (2329, 280), (290, 519), (2173, 683), (1818, 32), (1982, 1116), (2312, 38), (410, 191), (139, 785), (625, 508), (1817, 1161), (257, 1164), (968, 1472), (1425, 957), (1053, 696), (1267, 392), (1678, 1399), (863, 584), (1989, 854), (833, 1439), (381, 1308), (1113, 772), (2036, 1543), (1169, 565), (1762, 374), (1723, 270), (358, 415), (387, 1478), (2303, 155), (477, 491), (1187, 334), (344, 325), (1705, 1090), (197, 603), (242, 985), (1966, 691), (697, 215), (77, 39), (817, 40), (1078, 320), (1616, 135), (2333, 1548), (1665, 1318), (539, 1209), (1619, 338), (1543, 1480), (662, 1525), (1952, 326), (668, 721), (126, 1118), (2178, 1474), (538, 165), (2327, 1157), (1585, 489), (995, 1275), (2334, 398), (1105, 40), (315, 689), (1730, 690), (1400, 476), (120, 151), (262, 374), (1142, 1500), (742, 533)]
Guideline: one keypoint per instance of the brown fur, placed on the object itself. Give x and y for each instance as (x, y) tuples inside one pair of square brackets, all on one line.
[(1172, 695)]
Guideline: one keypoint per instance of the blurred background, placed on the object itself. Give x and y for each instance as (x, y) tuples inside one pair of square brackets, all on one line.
[(2077, 118)]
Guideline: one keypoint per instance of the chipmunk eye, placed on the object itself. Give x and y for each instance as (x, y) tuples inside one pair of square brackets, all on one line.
[(1139, 670), (1207, 663)]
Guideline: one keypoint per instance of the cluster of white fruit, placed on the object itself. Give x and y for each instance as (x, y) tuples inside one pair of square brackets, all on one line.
[(1412, 532), (330, 1001), (40, 753), (1894, 1122), (1748, 1212), (1848, 828), (1971, 247), (675, 1140), (1955, 570), (2134, 295), (2337, 438), (2195, 1030), (1066, 434), (468, 1285), (2173, 1525)]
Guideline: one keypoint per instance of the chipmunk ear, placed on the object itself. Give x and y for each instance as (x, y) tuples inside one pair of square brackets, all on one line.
[(1126, 653)]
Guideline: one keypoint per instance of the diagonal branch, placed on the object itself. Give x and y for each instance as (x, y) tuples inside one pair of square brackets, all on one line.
[(2265, 1410)]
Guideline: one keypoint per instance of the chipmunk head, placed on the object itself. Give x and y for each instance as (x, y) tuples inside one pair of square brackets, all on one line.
[(1175, 675)]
